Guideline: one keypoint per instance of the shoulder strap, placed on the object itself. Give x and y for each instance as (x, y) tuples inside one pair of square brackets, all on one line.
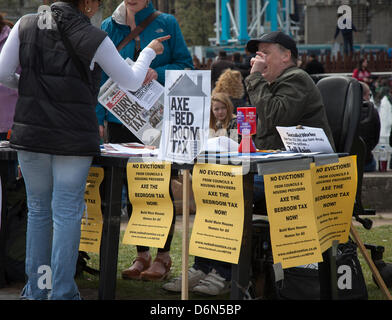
[(139, 28), (71, 52)]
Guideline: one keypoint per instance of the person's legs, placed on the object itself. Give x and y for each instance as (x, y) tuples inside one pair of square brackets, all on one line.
[(201, 267), (161, 266), (202, 264), (37, 173), (218, 279), (69, 184), (345, 46), (222, 268)]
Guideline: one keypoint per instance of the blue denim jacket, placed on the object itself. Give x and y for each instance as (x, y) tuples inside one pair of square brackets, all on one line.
[(176, 55)]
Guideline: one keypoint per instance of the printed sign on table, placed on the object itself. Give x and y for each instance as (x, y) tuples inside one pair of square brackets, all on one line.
[(91, 228), (152, 207), (305, 139), (186, 116), (309, 209), (290, 209), (219, 220), (334, 188)]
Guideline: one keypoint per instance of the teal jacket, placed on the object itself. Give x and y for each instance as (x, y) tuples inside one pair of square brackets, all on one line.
[(176, 55)]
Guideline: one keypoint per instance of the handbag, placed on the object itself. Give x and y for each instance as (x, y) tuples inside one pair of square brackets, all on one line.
[(139, 28)]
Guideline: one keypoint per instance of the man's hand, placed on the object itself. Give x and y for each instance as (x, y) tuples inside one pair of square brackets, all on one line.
[(151, 75), (258, 63)]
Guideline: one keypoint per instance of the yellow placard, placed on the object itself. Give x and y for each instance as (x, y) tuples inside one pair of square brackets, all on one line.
[(152, 208), (218, 224), (293, 231), (91, 228), (334, 189)]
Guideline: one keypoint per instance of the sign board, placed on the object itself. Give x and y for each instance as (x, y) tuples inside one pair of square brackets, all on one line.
[(186, 116), (305, 139), (91, 227), (152, 207), (309, 209), (219, 220)]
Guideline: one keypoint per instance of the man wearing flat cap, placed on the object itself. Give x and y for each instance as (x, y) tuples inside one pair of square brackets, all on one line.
[(283, 94)]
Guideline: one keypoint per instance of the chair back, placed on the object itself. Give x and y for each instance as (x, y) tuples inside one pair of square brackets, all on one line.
[(342, 98)]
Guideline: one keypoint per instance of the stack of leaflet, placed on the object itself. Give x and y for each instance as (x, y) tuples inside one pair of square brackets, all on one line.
[(128, 149)]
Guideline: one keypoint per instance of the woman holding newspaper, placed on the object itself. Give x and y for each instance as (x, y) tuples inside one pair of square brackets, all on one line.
[(132, 25), (55, 130)]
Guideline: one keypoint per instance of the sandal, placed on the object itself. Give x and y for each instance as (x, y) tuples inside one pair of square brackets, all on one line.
[(157, 276), (133, 273)]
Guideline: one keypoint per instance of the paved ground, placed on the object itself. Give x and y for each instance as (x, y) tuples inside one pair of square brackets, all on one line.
[(12, 293)]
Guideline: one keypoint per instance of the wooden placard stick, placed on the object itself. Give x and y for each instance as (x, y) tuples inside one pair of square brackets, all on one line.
[(370, 262), (185, 233)]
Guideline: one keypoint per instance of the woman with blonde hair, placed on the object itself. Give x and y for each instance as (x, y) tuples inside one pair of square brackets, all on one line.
[(231, 82), (223, 122)]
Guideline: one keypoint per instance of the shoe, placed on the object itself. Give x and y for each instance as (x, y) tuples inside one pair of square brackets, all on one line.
[(133, 273), (194, 276), (157, 276), (213, 284)]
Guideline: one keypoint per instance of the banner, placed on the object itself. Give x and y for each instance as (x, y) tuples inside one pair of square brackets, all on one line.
[(289, 199), (219, 220), (309, 209), (334, 188), (145, 122), (152, 207), (92, 222), (186, 116)]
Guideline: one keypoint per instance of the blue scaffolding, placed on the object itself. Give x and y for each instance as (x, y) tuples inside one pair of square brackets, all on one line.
[(239, 20)]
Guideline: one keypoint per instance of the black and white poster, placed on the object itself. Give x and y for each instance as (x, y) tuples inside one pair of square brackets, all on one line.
[(186, 115)]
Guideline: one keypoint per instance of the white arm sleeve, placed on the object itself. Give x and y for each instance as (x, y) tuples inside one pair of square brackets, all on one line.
[(126, 76), (9, 59)]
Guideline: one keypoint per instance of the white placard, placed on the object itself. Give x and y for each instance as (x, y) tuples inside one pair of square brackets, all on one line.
[(305, 139), (186, 115)]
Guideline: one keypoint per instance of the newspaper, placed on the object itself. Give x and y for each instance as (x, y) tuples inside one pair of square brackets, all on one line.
[(143, 120), (147, 94)]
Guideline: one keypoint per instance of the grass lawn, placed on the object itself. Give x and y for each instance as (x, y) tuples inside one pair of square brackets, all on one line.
[(132, 290)]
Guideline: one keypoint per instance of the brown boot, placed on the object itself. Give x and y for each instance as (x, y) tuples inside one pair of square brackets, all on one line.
[(159, 263), (133, 273)]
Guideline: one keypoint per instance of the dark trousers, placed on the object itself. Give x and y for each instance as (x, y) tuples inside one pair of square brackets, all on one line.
[(348, 44), (118, 133)]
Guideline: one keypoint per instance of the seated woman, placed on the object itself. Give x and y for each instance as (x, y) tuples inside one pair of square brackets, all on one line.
[(223, 122)]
